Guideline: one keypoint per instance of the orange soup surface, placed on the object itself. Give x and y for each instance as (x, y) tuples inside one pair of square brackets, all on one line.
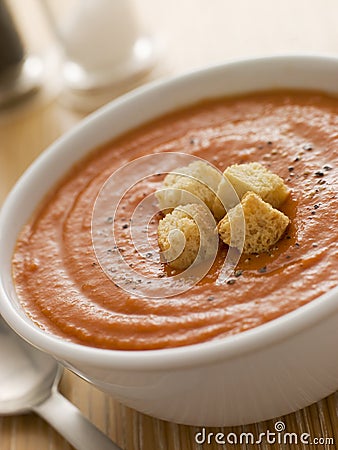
[(64, 291)]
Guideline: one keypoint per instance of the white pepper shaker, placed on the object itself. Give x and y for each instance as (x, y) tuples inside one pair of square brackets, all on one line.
[(103, 47)]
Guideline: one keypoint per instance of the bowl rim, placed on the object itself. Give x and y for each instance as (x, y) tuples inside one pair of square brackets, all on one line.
[(214, 351)]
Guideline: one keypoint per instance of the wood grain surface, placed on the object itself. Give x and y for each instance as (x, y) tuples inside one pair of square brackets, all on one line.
[(192, 33)]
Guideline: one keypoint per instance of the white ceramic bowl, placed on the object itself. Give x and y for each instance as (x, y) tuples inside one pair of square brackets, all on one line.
[(259, 374)]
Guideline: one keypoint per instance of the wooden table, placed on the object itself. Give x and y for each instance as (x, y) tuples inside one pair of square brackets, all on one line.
[(193, 33)]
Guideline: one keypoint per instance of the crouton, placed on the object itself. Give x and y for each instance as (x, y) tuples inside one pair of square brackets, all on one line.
[(187, 234), (263, 225), (256, 178), (196, 182)]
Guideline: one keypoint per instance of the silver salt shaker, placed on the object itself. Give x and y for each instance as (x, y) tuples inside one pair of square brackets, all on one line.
[(20, 74)]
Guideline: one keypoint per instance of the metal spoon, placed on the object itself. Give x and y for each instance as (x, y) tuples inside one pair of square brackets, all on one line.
[(28, 382)]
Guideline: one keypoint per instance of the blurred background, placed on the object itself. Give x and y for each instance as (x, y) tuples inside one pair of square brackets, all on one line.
[(61, 59), (98, 35)]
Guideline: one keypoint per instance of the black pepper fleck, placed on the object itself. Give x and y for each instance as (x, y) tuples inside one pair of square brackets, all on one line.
[(125, 226), (238, 273), (262, 269), (297, 159), (307, 147), (297, 245), (290, 169), (211, 298), (327, 167), (231, 281), (269, 142), (316, 206), (319, 173)]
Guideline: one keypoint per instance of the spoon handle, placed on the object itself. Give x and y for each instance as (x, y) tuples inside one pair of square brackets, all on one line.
[(72, 425)]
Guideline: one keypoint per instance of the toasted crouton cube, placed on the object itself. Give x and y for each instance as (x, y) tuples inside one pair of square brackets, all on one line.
[(263, 225), (256, 178), (187, 234), (197, 181)]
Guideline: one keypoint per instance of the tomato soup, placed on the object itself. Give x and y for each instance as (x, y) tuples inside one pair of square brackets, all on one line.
[(64, 290)]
